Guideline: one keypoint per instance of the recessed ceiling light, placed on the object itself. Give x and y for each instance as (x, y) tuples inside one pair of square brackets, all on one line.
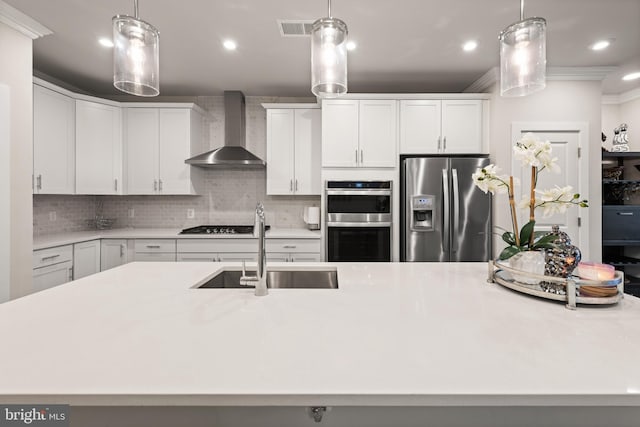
[(105, 42), (600, 45), (351, 45), (470, 46), (229, 45), (632, 76)]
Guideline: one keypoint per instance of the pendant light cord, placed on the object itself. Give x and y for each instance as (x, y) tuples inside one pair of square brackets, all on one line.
[(329, 7), (521, 10), (135, 9)]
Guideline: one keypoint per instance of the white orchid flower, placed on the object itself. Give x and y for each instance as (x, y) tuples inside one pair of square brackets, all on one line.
[(488, 179), (555, 200)]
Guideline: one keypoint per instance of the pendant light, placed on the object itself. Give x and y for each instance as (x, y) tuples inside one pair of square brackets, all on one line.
[(329, 57), (135, 55), (523, 56)]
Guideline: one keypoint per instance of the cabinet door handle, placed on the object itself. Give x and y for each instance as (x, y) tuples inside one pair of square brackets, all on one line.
[(70, 273), (39, 182), (356, 156), (291, 186), (160, 184), (439, 139), (155, 185), (444, 144), (153, 246), (115, 186), (625, 213), (122, 250), (361, 156), (296, 185)]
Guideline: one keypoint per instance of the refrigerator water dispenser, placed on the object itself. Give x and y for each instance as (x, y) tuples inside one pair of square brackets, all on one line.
[(422, 213)]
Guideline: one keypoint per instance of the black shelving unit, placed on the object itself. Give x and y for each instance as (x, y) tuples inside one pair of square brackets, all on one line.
[(621, 217)]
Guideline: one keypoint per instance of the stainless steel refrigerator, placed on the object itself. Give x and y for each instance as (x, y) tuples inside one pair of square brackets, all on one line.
[(445, 217)]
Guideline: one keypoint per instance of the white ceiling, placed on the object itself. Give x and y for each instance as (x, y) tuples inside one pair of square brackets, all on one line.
[(403, 45)]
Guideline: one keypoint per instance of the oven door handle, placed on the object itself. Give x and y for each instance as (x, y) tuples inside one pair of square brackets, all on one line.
[(358, 192), (358, 224)]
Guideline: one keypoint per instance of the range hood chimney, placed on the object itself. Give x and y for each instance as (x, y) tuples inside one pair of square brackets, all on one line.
[(233, 154)]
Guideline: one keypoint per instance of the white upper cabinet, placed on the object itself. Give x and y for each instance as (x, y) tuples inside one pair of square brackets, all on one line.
[(442, 126), (359, 133), (98, 148), (293, 151), (378, 133), (53, 142), (158, 141)]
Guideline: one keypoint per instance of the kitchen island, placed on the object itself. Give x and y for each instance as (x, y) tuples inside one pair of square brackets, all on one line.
[(395, 344)]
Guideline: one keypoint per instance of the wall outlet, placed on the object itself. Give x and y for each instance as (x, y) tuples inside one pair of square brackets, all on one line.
[(52, 216), (191, 213), (131, 212)]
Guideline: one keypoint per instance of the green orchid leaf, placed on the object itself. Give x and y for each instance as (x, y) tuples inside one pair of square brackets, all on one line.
[(525, 232), (508, 252), (549, 239), (509, 238)]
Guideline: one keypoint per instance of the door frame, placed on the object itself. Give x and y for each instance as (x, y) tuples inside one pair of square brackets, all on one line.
[(582, 129)]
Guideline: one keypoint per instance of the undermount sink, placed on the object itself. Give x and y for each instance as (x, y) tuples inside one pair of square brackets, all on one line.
[(277, 279)]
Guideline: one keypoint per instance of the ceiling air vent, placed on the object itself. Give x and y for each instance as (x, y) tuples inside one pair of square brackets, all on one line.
[(291, 28)]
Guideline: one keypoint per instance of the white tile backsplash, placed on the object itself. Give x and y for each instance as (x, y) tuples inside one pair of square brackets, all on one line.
[(228, 197)]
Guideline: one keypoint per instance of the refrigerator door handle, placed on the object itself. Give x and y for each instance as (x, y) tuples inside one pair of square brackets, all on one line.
[(446, 216), (456, 210)]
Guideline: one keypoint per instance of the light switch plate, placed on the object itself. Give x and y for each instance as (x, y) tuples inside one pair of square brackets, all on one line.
[(52, 216), (191, 213)]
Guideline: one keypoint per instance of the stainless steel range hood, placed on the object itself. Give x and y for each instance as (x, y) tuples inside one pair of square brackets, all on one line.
[(233, 154)]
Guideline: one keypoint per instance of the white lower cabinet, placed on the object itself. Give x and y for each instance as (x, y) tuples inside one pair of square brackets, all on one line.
[(86, 258), (293, 250), (219, 250), (152, 250), (52, 267), (113, 252)]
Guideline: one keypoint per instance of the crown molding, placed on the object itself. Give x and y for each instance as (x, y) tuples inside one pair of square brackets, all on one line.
[(630, 95), (579, 73), (22, 23), (487, 80)]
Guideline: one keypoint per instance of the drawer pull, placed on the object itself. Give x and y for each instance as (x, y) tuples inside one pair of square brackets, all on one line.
[(625, 213), (49, 257), (153, 246)]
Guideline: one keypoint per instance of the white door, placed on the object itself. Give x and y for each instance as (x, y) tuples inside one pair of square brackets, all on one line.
[(98, 148), (86, 258), (54, 141), (420, 126), (462, 126), (175, 148), (308, 151), (141, 145), (378, 133), (340, 133), (280, 151), (113, 252), (565, 145)]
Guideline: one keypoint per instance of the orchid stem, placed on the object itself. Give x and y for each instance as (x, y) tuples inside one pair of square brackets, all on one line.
[(514, 220), (532, 202)]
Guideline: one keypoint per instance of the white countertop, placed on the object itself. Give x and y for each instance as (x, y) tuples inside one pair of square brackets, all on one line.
[(400, 334), (51, 240)]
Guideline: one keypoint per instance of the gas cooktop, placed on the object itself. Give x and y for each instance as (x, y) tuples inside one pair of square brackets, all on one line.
[(220, 229)]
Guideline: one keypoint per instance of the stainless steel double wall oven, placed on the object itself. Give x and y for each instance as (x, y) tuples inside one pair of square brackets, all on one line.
[(359, 219)]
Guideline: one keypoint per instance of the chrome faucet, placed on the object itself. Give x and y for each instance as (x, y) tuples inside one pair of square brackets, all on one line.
[(260, 279)]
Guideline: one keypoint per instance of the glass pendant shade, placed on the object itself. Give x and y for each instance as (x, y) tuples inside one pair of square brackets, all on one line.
[(135, 56), (329, 58), (523, 57)]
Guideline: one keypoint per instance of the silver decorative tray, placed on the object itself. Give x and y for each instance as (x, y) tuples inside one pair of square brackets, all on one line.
[(566, 289)]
